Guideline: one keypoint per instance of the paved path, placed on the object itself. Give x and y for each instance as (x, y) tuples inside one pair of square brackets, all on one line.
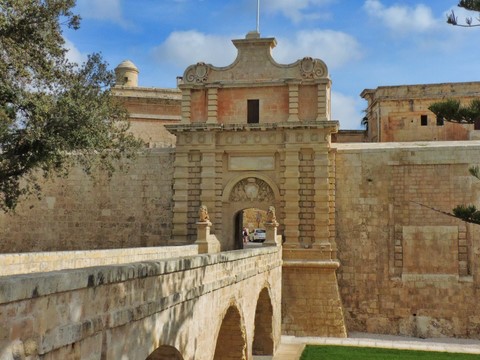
[(291, 347)]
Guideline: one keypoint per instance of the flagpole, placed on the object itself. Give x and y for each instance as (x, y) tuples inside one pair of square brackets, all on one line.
[(258, 16)]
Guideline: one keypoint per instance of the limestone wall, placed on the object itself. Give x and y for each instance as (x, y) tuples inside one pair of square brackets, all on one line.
[(127, 311), (149, 110), (132, 209), (407, 269), (32, 262)]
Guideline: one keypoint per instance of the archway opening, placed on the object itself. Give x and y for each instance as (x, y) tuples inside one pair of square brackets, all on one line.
[(231, 342), (249, 227), (165, 352), (263, 336)]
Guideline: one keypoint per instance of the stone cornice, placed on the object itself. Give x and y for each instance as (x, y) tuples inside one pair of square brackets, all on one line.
[(331, 125)]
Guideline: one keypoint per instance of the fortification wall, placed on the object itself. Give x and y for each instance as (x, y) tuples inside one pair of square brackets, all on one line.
[(407, 269), (132, 209)]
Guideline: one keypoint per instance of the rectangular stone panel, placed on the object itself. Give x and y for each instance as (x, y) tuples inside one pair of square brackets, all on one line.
[(430, 250), (251, 163)]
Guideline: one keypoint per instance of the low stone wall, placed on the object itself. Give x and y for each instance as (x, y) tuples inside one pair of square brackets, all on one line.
[(25, 263), (127, 311), (405, 268)]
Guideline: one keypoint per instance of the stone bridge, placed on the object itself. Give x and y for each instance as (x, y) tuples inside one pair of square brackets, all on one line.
[(211, 306)]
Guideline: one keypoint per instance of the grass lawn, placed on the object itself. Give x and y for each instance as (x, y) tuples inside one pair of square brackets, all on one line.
[(320, 352)]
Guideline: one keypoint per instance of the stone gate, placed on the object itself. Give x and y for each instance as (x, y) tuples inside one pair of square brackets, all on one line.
[(257, 134)]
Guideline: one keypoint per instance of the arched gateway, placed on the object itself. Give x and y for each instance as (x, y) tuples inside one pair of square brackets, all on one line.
[(248, 190), (257, 134)]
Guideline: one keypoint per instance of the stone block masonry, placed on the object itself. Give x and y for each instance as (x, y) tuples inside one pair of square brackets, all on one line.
[(33, 262), (132, 209), (407, 269), (130, 310)]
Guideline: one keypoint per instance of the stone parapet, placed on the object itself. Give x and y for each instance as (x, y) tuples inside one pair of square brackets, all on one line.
[(34, 262), (96, 307)]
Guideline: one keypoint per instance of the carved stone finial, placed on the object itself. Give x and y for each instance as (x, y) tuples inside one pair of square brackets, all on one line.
[(203, 214), (271, 217)]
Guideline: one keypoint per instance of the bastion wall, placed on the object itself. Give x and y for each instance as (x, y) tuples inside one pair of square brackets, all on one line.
[(405, 268)]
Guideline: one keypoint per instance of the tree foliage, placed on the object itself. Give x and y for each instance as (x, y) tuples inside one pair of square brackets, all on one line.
[(452, 111), (469, 213), (52, 112), (472, 5)]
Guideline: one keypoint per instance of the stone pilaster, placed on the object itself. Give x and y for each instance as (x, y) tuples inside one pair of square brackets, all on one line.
[(321, 201), (323, 97), (208, 176), (293, 101), (291, 198), (180, 199), (212, 105), (186, 106), (218, 209)]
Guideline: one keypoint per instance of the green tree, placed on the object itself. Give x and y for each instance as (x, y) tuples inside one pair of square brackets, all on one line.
[(452, 111), (52, 113), (472, 5)]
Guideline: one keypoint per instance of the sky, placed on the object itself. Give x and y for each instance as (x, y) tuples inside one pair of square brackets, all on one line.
[(365, 43)]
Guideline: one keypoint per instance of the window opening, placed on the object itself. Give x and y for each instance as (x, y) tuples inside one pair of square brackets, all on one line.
[(439, 121), (424, 120), (253, 111)]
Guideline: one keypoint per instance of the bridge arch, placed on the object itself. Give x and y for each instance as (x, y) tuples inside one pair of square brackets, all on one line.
[(245, 191), (263, 343), (231, 339), (165, 352)]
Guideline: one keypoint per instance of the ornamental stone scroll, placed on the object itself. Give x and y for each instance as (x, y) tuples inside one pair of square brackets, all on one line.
[(197, 74), (312, 68)]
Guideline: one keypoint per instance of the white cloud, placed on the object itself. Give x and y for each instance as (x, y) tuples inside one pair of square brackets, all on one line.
[(73, 54), (184, 48), (333, 47), (109, 10), (297, 10), (402, 19), (345, 110)]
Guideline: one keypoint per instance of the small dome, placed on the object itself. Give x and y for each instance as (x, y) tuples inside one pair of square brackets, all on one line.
[(127, 64)]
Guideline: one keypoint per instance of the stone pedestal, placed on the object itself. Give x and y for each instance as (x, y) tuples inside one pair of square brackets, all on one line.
[(207, 243), (271, 237)]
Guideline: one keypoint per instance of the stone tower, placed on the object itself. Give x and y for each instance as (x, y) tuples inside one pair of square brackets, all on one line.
[(126, 74)]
